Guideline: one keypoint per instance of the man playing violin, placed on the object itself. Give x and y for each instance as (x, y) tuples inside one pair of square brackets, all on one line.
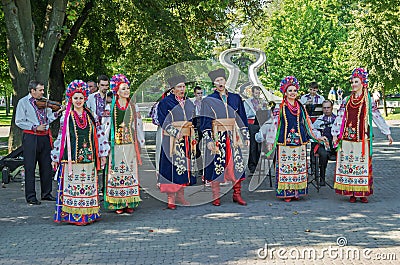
[(36, 141)]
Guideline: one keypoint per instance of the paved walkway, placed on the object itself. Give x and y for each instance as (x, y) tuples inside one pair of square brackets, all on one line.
[(229, 234)]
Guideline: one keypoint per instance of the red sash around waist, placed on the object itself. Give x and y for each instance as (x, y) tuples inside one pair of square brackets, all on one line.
[(40, 133)]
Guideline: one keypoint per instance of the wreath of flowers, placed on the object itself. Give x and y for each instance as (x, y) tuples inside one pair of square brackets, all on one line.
[(117, 80), (77, 86), (288, 81), (362, 74)]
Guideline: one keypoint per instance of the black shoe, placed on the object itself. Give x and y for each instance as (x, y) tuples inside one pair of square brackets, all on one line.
[(49, 198), (34, 202), (322, 182)]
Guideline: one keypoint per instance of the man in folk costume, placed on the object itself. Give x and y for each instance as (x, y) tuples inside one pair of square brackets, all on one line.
[(224, 126), (353, 130), (36, 141), (122, 191), (324, 125), (175, 113), (97, 101), (81, 148)]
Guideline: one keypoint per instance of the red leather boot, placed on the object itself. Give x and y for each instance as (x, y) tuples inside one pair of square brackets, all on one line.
[(171, 200), (215, 193), (237, 194), (180, 197)]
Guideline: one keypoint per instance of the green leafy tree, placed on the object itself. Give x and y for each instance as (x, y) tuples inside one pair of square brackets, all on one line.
[(5, 80), (301, 38), (374, 43)]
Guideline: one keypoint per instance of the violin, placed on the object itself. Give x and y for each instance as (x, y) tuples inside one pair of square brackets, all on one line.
[(46, 103)]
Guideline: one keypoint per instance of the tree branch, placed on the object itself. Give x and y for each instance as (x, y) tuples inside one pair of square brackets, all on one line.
[(51, 39), (75, 28)]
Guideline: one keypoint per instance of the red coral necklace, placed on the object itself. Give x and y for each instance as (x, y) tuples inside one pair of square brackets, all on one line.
[(81, 120)]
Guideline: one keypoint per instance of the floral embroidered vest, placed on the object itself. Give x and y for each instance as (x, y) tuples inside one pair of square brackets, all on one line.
[(83, 149), (123, 120), (354, 128)]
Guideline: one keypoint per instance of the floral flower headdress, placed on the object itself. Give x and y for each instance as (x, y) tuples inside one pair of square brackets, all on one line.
[(116, 81), (77, 86), (362, 74), (288, 81)]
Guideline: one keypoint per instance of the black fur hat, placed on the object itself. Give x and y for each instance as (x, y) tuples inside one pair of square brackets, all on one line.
[(220, 72), (173, 81)]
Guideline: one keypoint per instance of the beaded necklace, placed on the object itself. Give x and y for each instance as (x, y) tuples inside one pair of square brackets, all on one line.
[(354, 101), (81, 120), (122, 107), (294, 109)]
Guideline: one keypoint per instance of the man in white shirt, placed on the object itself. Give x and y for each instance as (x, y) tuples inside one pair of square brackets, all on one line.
[(312, 97), (324, 124), (36, 142), (251, 106), (97, 101)]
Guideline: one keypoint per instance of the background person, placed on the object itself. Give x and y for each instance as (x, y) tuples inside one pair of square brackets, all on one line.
[(325, 151), (97, 103), (312, 97), (198, 98), (251, 106)]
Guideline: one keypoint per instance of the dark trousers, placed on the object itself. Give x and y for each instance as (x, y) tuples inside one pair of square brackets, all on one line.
[(255, 148), (323, 158), (199, 149), (37, 150)]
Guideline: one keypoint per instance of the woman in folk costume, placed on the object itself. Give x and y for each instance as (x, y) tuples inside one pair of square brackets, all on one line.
[(126, 139), (175, 113), (224, 127), (81, 148), (353, 129), (290, 133)]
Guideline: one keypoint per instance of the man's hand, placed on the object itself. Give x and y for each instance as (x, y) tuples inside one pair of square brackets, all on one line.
[(211, 146), (61, 110), (41, 127), (54, 165), (390, 139), (269, 147), (103, 161)]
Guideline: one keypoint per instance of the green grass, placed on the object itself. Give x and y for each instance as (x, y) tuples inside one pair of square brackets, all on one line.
[(5, 120), (395, 115)]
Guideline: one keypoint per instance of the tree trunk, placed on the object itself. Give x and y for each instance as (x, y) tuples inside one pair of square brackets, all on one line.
[(7, 99), (56, 86), (28, 60)]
